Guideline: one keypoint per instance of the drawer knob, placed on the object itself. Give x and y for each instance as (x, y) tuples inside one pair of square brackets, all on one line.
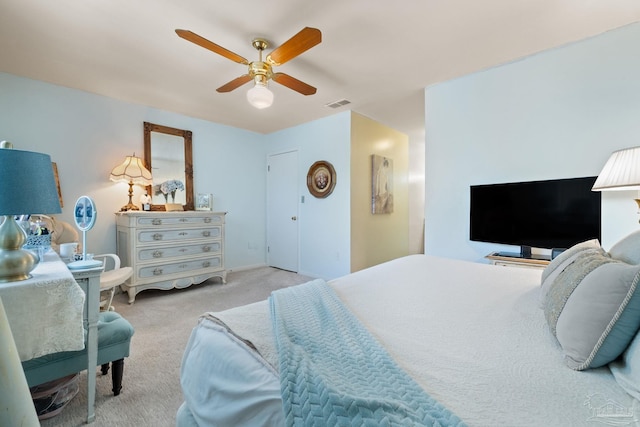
[(157, 236), (207, 220), (206, 233), (157, 271), (157, 254), (206, 264), (183, 219), (183, 233), (206, 248), (156, 221)]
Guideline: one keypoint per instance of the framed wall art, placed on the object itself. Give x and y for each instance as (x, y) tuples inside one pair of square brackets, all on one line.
[(381, 185), (204, 202), (54, 165), (321, 179)]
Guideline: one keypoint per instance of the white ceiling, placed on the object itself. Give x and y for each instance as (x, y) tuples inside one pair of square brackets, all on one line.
[(378, 54)]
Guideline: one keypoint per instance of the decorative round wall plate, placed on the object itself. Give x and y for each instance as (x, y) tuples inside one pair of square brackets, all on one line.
[(321, 179)]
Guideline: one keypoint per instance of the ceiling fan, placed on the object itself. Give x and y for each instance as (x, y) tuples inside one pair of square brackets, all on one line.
[(262, 71)]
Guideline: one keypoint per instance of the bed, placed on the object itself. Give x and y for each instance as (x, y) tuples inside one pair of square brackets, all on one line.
[(492, 345)]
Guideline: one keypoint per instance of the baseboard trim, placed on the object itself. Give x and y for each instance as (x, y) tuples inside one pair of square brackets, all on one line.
[(313, 276), (245, 267)]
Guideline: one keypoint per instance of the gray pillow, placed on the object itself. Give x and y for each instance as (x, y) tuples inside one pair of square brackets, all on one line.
[(627, 249), (593, 309), (559, 263)]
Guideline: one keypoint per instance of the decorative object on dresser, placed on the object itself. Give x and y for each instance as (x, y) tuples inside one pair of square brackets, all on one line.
[(27, 187), (204, 202), (170, 249), (145, 201), (132, 171), (621, 172), (168, 154)]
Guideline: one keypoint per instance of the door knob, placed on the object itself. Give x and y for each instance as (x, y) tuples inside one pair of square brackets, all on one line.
[(293, 218)]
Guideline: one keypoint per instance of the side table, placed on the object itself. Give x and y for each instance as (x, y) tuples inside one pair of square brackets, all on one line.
[(89, 281)]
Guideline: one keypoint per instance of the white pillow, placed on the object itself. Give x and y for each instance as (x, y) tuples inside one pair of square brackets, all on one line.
[(227, 383), (627, 249)]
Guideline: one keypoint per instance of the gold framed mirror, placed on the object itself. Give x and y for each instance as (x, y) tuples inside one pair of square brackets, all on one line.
[(168, 155)]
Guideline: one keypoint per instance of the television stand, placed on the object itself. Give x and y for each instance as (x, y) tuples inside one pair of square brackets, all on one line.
[(509, 259), (530, 256)]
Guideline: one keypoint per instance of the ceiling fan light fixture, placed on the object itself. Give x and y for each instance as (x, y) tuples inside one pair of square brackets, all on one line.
[(261, 71), (260, 96)]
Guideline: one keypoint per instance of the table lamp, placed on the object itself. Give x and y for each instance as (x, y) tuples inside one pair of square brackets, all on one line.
[(621, 172), (131, 171), (27, 186)]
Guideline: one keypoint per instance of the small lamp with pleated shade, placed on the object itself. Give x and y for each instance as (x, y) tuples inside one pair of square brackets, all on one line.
[(132, 171)]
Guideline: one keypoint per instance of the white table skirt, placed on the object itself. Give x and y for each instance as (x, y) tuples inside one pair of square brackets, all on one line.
[(45, 311)]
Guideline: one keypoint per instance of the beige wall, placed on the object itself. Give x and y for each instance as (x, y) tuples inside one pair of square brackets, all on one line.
[(381, 237)]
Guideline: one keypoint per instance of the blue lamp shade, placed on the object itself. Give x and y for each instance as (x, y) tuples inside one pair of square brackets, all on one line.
[(27, 184)]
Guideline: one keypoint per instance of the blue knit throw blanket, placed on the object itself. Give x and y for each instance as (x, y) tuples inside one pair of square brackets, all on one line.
[(334, 373)]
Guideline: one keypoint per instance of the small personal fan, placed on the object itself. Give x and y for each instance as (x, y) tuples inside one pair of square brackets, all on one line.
[(85, 215)]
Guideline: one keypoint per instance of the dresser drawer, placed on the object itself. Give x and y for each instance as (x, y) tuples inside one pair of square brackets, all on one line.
[(160, 253), (168, 220), (159, 270), (176, 235)]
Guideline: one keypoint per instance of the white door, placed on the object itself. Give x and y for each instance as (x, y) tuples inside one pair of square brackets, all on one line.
[(282, 211)]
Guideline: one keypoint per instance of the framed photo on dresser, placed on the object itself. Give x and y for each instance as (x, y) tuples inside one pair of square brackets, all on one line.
[(204, 202)]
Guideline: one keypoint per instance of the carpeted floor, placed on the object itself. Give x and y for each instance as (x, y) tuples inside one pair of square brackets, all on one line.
[(163, 321)]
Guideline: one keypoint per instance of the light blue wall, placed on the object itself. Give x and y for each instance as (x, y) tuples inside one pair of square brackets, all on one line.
[(87, 135), (324, 224), (556, 114)]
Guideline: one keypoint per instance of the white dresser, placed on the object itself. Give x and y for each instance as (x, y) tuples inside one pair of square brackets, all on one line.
[(170, 249)]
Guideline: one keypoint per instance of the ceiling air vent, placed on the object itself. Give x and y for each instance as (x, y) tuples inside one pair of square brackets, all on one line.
[(338, 104)]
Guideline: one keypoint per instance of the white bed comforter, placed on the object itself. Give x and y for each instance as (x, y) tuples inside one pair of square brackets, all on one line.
[(472, 335)]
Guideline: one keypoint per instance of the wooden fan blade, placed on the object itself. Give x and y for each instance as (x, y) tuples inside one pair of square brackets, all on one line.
[(293, 83), (235, 83), (306, 39), (201, 41)]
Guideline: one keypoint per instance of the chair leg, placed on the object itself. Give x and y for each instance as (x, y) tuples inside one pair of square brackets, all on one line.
[(109, 307), (105, 304), (104, 368), (116, 375)]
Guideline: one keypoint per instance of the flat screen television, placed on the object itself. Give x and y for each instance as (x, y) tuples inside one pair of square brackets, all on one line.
[(551, 214)]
